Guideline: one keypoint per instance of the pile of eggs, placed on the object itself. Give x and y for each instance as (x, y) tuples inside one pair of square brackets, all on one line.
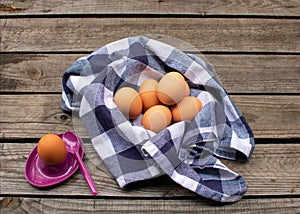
[(163, 102)]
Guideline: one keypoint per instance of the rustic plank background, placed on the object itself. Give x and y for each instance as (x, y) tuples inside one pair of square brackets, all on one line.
[(254, 47)]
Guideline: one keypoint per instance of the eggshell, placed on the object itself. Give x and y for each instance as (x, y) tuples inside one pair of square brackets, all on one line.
[(186, 109), (187, 89), (129, 102), (157, 118), (177, 75), (171, 88), (148, 93), (51, 149)]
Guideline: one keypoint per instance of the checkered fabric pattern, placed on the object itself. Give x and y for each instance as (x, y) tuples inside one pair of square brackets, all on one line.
[(186, 151)]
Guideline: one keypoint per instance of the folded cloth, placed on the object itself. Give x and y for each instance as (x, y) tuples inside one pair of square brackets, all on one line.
[(186, 151)]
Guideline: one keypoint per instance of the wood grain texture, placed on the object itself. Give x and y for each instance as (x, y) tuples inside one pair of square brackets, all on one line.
[(88, 34), (238, 73), (272, 170), (28, 116), (52, 205), (201, 7)]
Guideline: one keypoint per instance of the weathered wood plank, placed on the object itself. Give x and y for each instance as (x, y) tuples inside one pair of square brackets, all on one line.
[(29, 116), (52, 205), (34, 72), (271, 116), (238, 73), (87, 34), (202, 7), (272, 170)]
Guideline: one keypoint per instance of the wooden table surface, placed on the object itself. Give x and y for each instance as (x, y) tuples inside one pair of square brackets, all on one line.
[(254, 47)]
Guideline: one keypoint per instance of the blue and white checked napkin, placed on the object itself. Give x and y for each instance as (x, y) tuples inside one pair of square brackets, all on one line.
[(186, 151)]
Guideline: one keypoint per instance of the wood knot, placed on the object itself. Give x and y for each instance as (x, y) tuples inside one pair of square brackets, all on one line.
[(63, 118), (10, 8), (34, 73), (10, 202)]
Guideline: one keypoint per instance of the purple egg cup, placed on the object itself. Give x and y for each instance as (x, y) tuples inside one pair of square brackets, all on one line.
[(41, 175)]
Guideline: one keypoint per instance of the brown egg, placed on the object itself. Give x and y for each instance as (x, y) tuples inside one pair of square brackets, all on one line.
[(51, 149), (129, 102), (148, 93), (157, 118), (186, 109), (171, 88)]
